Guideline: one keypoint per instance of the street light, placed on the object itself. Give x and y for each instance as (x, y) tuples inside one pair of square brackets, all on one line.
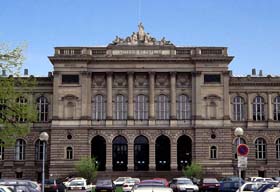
[(44, 137), (238, 132)]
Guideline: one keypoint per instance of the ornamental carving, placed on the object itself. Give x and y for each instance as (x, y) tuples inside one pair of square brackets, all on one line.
[(141, 80), (119, 80), (162, 80), (140, 38), (183, 80), (98, 80)]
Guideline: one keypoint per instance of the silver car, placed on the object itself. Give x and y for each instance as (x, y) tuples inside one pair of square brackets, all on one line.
[(183, 184)]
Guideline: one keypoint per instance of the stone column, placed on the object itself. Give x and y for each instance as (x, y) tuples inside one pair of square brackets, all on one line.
[(109, 156), (269, 107), (130, 95), (173, 156), (249, 108), (109, 96), (130, 156), (86, 95), (56, 97), (196, 95), (152, 156), (152, 95), (173, 94), (226, 95)]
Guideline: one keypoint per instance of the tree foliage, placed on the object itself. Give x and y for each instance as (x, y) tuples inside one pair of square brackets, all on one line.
[(17, 111), (193, 171), (87, 168)]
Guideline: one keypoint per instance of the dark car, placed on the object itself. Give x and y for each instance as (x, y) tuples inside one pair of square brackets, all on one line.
[(209, 184), (54, 185), (20, 185), (105, 185), (230, 184)]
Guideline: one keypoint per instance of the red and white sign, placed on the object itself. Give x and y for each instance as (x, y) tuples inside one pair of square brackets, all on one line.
[(242, 150)]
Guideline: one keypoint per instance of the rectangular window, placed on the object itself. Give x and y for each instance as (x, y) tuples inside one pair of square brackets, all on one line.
[(70, 79), (212, 78), (18, 175)]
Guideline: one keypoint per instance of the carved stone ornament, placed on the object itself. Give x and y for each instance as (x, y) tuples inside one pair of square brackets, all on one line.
[(141, 80), (140, 38), (98, 80), (120, 80), (183, 80), (162, 80)]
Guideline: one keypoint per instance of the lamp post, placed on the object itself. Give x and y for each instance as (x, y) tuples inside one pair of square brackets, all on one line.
[(238, 132), (44, 137)]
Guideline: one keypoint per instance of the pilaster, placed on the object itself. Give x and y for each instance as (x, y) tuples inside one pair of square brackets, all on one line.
[(109, 95), (130, 95), (173, 94), (152, 95)]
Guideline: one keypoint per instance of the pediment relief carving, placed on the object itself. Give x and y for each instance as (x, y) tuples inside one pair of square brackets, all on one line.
[(120, 80), (183, 80), (141, 80), (162, 80), (69, 97), (98, 80)]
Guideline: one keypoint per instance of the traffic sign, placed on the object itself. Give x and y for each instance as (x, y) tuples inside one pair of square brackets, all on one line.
[(242, 150), (242, 162)]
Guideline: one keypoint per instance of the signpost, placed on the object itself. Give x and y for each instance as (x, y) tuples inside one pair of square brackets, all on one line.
[(242, 153)]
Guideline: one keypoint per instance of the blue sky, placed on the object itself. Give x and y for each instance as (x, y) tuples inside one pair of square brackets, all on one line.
[(249, 28)]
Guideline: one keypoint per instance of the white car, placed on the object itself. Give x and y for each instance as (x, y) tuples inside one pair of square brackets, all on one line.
[(120, 180), (183, 184), (250, 186), (5, 189), (151, 185), (129, 184), (78, 184)]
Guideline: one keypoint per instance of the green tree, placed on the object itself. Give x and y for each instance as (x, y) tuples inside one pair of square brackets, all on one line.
[(193, 171), (87, 168), (17, 112)]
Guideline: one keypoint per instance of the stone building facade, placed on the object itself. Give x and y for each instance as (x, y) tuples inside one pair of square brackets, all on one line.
[(140, 105)]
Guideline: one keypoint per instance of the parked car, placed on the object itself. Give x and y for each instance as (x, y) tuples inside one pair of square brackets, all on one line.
[(265, 187), (54, 185), (120, 180), (67, 181), (129, 184), (183, 185), (5, 189), (79, 184), (105, 185), (209, 184), (151, 185), (230, 184), (250, 187), (164, 180), (20, 185)]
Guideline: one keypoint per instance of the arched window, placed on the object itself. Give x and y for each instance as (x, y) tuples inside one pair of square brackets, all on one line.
[(21, 102), (213, 152), (258, 109), (260, 145), (1, 150), (20, 149), (276, 110), (69, 153), (162, 107), (278, 149), (183, 107), (120, 107), (39, 150), (42, 107), (238, 108), (99, 109), (141, 107)]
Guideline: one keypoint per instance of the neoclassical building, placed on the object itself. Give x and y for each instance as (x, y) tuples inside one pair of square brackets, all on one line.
[(145, 106)]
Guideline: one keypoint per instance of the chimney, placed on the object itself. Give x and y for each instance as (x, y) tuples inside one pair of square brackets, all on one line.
[(260, 73), (253, 71), (49, 74), (25, 72), (4, 73)]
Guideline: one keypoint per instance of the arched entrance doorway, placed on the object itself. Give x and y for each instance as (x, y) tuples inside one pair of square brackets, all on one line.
[(184, 151), (141, 153), (98, 150), (119, 154), (162, 153)]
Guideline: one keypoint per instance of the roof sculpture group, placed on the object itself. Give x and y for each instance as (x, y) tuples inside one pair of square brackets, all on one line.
[(140, 38)]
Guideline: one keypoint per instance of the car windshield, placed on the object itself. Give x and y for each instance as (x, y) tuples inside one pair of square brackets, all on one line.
[(210, 181), (149, 185), (103, 182), (184, 182), (77, 183)]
